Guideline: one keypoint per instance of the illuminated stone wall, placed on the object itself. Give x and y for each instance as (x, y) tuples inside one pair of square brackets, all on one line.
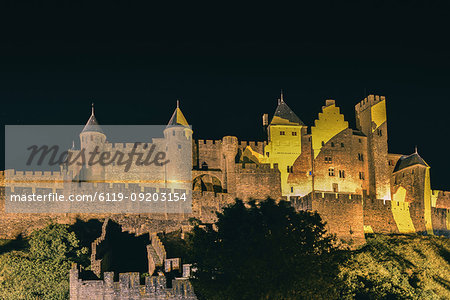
[(343, 214), (340, 163), (378, 217), (372, 121), (228, 168), (283, 150)]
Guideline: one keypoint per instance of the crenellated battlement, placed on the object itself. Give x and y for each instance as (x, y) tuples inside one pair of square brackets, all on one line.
[(126, 147), (367, 102), (129, 287), (33, 175), (209, 142), (255, 168)]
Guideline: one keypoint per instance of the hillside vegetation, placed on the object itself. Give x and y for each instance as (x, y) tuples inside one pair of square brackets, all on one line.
[(398, 267), (260, 251), (38, 267)]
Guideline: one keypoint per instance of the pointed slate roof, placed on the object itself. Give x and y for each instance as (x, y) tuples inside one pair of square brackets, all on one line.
[(92, 124), (284, 115), (178, 118), (409, 160)]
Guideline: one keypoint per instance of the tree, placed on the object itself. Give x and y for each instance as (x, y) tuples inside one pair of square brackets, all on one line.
[(41, 271), (263, 250)]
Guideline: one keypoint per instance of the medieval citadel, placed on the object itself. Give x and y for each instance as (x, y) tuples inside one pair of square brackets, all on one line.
[(345, 174)]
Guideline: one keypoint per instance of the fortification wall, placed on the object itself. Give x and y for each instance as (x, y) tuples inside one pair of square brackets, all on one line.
[(378, 216), (211, 152), (441, 199), (343, 214), (204, 206), (207, 152), (417, 211), (255, 145), (440, 218), (129, 287), (257, 181)]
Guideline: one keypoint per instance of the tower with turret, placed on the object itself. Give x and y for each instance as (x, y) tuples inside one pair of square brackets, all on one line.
[(284, 134), (178, 141), (92, 139)]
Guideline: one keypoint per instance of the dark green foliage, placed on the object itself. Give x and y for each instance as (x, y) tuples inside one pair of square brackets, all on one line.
[(42, 270), (264, 251)]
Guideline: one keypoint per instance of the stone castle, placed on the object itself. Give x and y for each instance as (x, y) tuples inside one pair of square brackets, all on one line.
[(345, 174)]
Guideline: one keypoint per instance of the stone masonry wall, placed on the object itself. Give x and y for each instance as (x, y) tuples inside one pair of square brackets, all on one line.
[(343, 214), (129, 287)]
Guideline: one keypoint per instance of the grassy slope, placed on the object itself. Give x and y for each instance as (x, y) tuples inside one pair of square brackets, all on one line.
[(399, 266)]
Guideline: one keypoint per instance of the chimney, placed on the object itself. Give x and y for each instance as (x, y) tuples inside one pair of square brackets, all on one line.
[(265, 119)]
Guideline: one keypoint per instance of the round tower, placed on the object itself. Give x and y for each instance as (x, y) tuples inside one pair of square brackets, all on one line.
[(178, 139), (92, 140), (229, 150)]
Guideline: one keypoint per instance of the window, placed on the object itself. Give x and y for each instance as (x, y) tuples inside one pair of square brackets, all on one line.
[(359, 140), (379, 132), (323, 143), (361, 175), (290, 169), (332, 144), (390, 162), (267, 154), (309, 139), (341, 174), (328, 159), (292, 189), (331, 172), (179, 146), (360, 157), (335, 188), (173, 132), (294, 133), (342, 145), (282, 133)]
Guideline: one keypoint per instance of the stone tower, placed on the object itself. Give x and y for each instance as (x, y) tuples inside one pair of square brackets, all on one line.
[(412, 184), (92, 138), (284, 142), (229, 151), (178, 136), (372, 121)]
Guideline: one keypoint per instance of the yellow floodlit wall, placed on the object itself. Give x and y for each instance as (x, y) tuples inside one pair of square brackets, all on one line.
[(400, 211), (427, 202), (252, 155), (378, 112), (330, 123), (368, 229), (283, 149), (434, 197)]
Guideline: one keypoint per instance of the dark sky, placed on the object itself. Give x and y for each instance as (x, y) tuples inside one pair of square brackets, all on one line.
[(227, 65)]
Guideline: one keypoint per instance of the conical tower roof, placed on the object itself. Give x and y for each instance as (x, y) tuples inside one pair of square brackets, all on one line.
[(92, 124), (284, 115), (409, 160), (178, 118)]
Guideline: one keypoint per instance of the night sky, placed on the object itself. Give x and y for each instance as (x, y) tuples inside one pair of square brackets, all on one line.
[(227, 65)]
